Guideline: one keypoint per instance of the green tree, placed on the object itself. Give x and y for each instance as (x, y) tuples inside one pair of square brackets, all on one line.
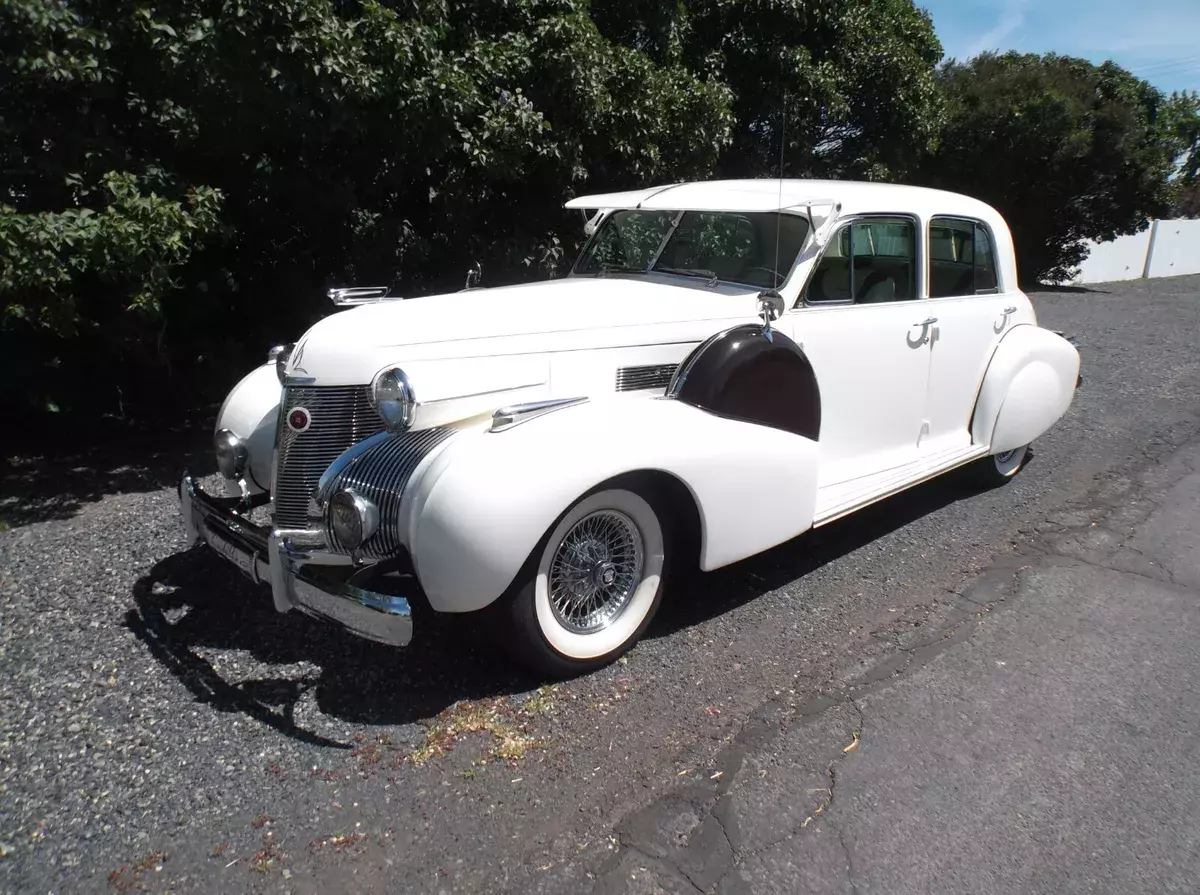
[(1186, 107), (851, 81), (1068, 151)]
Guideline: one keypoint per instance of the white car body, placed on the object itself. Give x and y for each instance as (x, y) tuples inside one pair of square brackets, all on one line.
[(906, 389)]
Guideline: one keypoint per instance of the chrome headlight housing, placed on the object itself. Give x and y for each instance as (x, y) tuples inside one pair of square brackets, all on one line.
[(280, 355), (393, 399), (353, 518), (231, 454)]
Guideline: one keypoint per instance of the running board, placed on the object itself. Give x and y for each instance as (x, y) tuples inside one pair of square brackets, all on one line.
[(836, 501)]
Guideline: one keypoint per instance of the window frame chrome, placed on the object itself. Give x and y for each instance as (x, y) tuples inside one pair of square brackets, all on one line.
[(1001, 286), (919, 248)]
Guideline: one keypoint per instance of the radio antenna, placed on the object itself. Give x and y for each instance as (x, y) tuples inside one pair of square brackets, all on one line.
[(770, 302), (779, 200)]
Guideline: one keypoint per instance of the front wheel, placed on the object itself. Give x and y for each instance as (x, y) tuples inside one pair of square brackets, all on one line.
[(590, 587), (997, 469)]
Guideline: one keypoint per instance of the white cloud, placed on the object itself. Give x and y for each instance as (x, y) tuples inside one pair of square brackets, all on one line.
[(1011, 18)]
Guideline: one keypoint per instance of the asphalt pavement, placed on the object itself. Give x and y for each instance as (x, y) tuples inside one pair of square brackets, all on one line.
[(953, 690)]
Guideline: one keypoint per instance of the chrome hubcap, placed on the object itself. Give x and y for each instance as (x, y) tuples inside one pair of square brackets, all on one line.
[(595, 571)]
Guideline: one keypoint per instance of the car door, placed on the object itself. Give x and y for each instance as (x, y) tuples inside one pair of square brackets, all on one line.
[(972, 311), (861, 327)]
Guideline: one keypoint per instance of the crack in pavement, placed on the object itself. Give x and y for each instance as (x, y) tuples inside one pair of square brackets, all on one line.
[(993, 586), (849, 860)]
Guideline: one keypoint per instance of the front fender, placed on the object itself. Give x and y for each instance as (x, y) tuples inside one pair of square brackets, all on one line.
[(484, 502), (250, 412), (1028, 386)]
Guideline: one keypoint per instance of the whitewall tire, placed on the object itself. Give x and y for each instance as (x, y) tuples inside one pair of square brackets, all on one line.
[(996, 469), (591, 586)]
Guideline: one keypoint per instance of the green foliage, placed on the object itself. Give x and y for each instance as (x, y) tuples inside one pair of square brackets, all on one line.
[(1066, 150), (1185, 117), (1185, 109), (136, 241), (854, 78)]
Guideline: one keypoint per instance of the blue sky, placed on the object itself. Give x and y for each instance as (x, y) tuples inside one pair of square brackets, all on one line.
[(1158, 40)]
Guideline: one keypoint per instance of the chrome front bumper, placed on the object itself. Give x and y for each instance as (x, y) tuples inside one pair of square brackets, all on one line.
[(281, 558)]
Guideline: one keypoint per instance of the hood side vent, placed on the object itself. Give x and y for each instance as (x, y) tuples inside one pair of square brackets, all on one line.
[(632, 379)]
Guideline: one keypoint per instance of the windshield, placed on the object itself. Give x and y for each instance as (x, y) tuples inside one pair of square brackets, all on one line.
[(737, 247)]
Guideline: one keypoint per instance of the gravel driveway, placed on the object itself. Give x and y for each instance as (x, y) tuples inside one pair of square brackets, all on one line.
[(163, 729)]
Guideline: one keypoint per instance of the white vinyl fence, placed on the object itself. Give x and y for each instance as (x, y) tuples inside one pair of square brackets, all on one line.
[(1164, 249)]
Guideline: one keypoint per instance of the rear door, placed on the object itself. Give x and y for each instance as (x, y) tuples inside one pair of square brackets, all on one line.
[(972, 311), (861, 327)]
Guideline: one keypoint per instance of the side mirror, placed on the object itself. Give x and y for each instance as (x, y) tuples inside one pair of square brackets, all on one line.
[(770, 306)]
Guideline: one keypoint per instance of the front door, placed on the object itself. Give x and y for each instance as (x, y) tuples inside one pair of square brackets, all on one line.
[(861, 327), (972, 314)]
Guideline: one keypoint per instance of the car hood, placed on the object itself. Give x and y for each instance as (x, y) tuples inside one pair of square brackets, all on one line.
[(526, 321)]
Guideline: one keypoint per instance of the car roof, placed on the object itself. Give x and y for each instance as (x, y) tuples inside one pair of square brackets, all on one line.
[(790, 194)]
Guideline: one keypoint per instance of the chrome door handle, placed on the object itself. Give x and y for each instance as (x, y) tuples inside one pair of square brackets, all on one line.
[(999, 326), (924, 337)]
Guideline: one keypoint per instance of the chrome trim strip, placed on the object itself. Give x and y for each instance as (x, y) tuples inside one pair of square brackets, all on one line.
[(492, 391), (646, 376), (345, 459), (360, 295), (381, 475), (515, 414)]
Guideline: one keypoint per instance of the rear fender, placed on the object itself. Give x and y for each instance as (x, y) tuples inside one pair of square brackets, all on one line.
[(1028, 386), (483, 504)]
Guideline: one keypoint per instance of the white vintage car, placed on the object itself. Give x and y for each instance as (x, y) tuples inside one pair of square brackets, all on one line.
[(728, 365)]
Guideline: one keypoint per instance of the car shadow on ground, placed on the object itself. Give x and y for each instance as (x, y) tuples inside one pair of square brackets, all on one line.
[(38, 485), (194, 602)]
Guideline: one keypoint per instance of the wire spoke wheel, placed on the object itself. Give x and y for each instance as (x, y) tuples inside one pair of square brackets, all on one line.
[(595, 571)]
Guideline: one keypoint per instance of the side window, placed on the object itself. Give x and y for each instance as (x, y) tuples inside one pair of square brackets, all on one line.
[(870, 260), (985, 262), (961, 259)]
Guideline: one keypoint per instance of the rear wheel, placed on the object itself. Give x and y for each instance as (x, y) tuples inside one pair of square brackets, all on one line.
[(591, 587), (997, 469)]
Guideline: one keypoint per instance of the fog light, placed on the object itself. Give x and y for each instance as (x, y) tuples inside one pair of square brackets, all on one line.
[(231, 454), (353, 518)]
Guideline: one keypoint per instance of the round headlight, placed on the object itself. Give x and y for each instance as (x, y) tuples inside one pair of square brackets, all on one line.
[(279, 355), (231, 454), (394, 401), (353, 518)]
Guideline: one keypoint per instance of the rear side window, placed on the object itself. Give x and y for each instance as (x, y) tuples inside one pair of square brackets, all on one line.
[(962, 260)]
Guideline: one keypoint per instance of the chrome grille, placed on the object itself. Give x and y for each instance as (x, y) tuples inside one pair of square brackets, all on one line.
[(341, 416), (631, 379), (380, 475)]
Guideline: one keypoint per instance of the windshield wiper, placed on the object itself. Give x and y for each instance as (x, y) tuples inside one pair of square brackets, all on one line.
[(710, 275), (620, 268)]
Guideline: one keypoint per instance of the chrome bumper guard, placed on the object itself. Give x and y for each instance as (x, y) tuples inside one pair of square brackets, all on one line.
[(278, 557)]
